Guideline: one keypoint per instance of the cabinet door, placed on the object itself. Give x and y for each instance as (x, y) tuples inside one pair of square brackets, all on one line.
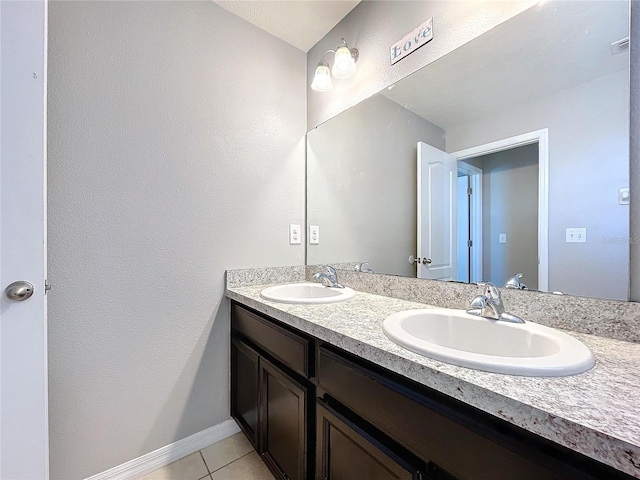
[(245, 375), (283, 437), (346, 452)]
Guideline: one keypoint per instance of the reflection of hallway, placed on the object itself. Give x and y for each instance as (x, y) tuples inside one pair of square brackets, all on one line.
[(509, 214)]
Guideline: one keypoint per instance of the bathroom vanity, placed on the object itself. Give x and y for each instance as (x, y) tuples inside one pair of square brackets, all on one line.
[(322, 394)]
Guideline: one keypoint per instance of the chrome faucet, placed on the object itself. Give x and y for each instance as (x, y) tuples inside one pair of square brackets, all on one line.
[(361, 267), (329, 279), (514, 282), (490, 305)]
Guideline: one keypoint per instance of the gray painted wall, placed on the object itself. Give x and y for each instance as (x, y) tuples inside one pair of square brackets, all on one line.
[(373, 26), (588, 148), (362, 192), (176, 151), (510, 206)]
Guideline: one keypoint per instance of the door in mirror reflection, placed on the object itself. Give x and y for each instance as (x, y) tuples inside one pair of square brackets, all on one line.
[(437, 212)]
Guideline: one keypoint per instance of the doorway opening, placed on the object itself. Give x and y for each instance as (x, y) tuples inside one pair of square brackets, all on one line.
[(509, 235)]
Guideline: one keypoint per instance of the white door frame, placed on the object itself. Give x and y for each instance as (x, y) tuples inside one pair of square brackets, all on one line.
[(24, 440), (475, 213), (541, 137)]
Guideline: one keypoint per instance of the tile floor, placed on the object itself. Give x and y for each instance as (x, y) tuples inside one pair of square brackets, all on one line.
[(230, 459)]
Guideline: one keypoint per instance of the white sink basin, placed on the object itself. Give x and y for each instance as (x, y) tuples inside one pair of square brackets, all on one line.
[(453, 336), (306, 293)]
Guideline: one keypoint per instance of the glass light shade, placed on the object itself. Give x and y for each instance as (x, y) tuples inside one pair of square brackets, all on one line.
[(344, 65), (322, 79)]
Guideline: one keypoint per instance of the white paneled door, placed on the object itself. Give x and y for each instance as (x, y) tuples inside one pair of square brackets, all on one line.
[(23, 326), (437, 214)]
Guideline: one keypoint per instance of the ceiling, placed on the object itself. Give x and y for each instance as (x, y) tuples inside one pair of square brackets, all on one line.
[(300, 23)]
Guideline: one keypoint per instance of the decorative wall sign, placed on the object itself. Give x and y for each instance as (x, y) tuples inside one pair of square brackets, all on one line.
[(413, 41)]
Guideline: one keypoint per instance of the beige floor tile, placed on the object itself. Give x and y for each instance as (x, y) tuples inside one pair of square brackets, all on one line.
[(249, 467), (226, 451), (191, 467)]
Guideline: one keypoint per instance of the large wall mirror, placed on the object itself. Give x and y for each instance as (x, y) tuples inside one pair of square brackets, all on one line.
[(508, 155)]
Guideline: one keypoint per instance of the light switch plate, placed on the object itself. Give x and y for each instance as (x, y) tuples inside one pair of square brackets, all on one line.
[(576, 235), (503, 238), (314, 234), (294, 234)]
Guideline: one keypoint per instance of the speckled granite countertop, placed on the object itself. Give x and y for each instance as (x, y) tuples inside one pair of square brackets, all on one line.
[(596, 413)]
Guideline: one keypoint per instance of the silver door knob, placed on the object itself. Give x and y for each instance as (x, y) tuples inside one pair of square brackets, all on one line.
[(19, 291), (424, 260)]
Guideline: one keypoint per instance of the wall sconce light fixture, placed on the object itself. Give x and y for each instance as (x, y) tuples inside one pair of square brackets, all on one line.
[(344, 66)]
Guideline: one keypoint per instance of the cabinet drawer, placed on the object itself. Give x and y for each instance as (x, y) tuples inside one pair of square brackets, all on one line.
[(291, 348), (427, 433)]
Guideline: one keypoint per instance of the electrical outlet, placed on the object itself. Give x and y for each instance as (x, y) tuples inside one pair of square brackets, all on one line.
[(576, 235), (314, 234), (294, 234), (502, 238)]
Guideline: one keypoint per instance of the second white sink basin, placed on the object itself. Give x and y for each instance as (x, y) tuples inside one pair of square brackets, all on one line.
[(453, 336), (306, 293)]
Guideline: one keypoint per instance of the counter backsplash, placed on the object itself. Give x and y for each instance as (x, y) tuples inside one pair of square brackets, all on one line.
[(605, 318)]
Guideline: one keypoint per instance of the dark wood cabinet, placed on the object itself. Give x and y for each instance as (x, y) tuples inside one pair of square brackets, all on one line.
[(271, 395), (283, 435), (288, 348), (245, 377), (422, 424), (346, 451), (314, 411)]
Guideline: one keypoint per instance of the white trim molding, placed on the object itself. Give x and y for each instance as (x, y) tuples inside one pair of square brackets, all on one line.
[(541, 137), (475, 179), (168, 454)]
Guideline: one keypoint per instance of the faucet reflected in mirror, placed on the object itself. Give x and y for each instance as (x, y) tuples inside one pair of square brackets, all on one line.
[(514, 282), (362, 267), (523, 160)]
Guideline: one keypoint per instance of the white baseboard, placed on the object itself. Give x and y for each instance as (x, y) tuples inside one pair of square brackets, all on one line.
[(164, 456)]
